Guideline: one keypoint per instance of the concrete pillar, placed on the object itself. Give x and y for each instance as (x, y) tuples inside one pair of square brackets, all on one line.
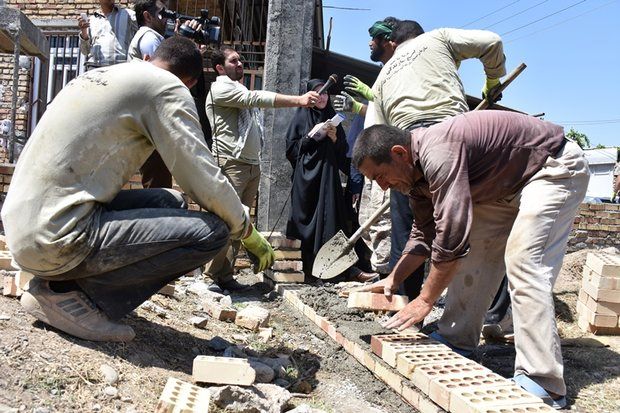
[(288, 58)]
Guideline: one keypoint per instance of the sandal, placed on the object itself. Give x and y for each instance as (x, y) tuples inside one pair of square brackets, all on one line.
[(537, 390)]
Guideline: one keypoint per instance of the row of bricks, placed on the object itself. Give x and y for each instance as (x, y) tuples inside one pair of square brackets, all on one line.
[(598, 227), (600, 214), (600, 294), (599, 207), (596, 320), (600, 282), (394, 380), (453, 382)]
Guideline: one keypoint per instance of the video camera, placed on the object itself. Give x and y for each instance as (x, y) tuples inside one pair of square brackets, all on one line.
[(211, 32)]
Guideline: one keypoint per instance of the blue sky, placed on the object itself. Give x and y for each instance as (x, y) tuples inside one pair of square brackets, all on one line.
[(573, 56)]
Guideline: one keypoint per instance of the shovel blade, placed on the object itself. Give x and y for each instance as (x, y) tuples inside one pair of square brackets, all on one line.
[(334, 257)]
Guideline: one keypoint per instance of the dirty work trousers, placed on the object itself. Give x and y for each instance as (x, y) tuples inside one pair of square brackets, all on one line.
[(244, 178), (144, 239), (377, 238), (524, 234)]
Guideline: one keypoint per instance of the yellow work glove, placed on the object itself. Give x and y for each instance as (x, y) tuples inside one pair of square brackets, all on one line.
[(489, 85), (346, 103), (357, 87), (259, 249)]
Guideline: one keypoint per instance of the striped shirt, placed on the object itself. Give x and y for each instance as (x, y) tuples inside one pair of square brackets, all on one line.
[(109, 37)]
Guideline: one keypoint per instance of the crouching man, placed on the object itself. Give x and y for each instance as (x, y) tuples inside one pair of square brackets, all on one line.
[(492, 191), (97, 252)]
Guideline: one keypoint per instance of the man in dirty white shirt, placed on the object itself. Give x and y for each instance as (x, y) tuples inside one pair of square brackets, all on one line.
[(98, 252)]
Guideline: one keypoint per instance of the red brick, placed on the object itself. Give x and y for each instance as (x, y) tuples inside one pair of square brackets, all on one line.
[(287, 266), (377, 302)]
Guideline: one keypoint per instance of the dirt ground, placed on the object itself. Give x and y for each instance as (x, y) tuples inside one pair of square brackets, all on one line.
[(43, 370)]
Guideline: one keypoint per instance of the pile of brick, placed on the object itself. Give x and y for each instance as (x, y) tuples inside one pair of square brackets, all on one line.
[(598, 306), (453, 382), (13, 281), (288, 267)]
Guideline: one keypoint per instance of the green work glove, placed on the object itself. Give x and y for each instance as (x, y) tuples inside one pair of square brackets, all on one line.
[(357, 87), (489, 85), (259, 249), (346, 103)]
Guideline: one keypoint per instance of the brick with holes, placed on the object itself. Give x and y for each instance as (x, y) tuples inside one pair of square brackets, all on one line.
[(475, 401), (604, 264), (182, 397)]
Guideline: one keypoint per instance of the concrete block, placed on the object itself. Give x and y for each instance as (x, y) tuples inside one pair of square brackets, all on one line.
[(279, 241), (285, 277), (602, 307), (406, 363), (167, 290), (610, 296), (252, 317), (182, 397), (604, 264), (475, 401), (376, 302), (22, 278), (223, 370), (219, 312), (441, 388), (199, 322), (10, 287), (410, 394), (391, 350), (288, 254), (5, 261), (389, 377), (377, 341), (423, 375), (287, 266)]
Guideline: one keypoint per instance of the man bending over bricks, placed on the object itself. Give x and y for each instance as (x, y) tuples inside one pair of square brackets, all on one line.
[(492, 191), (97, 252)]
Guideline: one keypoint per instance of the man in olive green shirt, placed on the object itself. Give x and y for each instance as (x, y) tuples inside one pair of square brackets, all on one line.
[(237, 128)]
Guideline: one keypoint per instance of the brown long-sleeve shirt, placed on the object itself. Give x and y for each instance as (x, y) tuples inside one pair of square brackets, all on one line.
[(472, 158)]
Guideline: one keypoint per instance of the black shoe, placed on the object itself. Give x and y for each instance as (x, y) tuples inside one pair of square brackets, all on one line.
[(232, 285)]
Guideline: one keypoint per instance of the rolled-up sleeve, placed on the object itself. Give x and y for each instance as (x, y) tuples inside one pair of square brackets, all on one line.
[(446, 171), (482, 44), (227, 94)]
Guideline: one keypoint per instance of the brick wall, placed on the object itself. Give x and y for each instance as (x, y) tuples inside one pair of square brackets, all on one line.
[(6, 97), (53, 9), (596, 226)]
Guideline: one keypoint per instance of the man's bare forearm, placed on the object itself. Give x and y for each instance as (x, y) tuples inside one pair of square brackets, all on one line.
[(439, 277), (405, 266)]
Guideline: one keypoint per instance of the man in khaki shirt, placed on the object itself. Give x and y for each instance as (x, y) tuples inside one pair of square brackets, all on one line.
[(97, 252), (237, 126)]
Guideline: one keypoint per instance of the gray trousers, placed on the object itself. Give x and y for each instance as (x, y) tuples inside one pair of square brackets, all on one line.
[(145, 238), (523, 235)]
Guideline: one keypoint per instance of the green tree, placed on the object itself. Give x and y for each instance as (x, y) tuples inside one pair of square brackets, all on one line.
[(581, 138)]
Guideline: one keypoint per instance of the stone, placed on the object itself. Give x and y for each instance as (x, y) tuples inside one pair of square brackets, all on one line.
[(304, 408), (219, 312), (226, 301), (5, 317), (261, 398), (154, 308), (264, 373), (281, 382), (217, 343), (110, 391), (110, 376)]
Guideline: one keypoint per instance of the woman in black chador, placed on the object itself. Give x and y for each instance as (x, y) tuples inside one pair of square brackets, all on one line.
[(318, 209)]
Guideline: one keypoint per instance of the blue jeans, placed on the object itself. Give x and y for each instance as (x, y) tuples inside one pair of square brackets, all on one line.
[(145, 238)]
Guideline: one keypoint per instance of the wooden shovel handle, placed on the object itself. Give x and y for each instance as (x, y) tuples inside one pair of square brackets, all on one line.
[(373, 218), (507, 80)]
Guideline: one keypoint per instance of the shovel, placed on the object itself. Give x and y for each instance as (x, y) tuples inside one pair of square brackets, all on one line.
[(337, 254)]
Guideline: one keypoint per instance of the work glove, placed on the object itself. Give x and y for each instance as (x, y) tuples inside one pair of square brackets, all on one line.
[(346, 103), (489, 85), (357, 87), (260, 251)]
